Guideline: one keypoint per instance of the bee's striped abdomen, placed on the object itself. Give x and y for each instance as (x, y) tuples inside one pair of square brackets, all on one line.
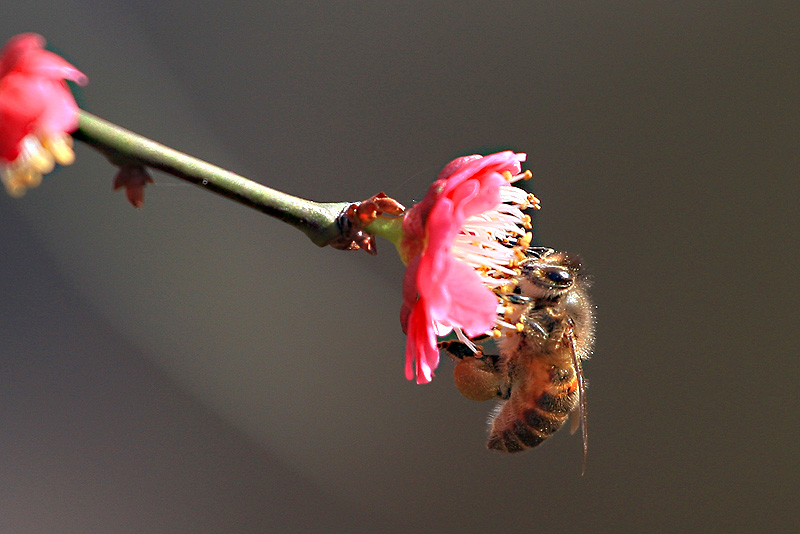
[(536, 409)]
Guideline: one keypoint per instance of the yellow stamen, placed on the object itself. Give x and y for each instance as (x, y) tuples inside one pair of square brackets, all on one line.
[(39, 156), (14, 189), (33, 179), (507, 288), (43, 161), (61, 148)]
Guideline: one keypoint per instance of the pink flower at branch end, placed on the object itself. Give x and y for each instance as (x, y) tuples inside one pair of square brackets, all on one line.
[(461, 244), (37, 112)]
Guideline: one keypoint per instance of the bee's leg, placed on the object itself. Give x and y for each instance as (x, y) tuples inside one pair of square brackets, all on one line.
[(547, 327), (513, 298), (459, 350)]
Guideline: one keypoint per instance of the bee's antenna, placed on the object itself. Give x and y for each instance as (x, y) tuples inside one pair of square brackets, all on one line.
[(538, 252)]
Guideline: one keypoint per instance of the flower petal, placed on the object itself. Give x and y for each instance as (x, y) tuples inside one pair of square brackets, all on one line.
[(422, 354), (441, 291), (467, 304)]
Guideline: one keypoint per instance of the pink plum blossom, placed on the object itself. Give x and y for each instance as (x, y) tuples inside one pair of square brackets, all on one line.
[(460, 244), (37, 111)]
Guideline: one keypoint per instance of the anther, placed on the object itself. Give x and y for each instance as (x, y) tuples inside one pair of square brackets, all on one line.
[(507, 288), (526, 221)]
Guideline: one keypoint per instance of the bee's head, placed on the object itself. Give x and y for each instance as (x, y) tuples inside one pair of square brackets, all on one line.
[(546, 273)]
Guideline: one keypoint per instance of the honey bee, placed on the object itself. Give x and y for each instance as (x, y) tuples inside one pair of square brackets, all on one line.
[(538, 373)]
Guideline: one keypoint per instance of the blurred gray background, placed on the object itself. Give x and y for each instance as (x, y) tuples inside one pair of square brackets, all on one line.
[(196, 366)]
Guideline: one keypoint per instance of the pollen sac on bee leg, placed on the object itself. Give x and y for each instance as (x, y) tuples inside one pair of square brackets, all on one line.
[(476, 375), (477, 379)]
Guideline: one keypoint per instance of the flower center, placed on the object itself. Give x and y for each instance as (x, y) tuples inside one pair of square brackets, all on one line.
[(494, 242)]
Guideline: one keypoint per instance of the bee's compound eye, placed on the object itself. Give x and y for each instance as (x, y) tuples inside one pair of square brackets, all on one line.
[(558, 276)]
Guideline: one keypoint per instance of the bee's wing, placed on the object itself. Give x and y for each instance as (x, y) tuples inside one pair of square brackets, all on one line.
[(581, 418)]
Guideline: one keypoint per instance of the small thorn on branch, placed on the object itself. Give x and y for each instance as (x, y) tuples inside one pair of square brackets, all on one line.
[(133, 178)]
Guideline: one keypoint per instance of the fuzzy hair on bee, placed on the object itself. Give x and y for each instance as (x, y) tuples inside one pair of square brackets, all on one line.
[(538, 373)]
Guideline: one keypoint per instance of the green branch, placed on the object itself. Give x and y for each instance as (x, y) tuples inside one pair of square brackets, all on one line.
[(319, 221)]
